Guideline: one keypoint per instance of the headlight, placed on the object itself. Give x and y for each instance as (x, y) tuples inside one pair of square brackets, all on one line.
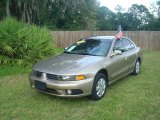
[(66, 77), (72, 78)]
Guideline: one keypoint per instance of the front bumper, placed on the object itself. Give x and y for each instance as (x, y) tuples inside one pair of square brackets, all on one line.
[(63, 88)]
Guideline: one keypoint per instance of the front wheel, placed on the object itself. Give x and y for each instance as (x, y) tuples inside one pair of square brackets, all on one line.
[(99, 87), (136, 68)]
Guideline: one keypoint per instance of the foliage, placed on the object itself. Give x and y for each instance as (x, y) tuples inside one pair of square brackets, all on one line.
[(158, 3), (136, 18), (2, 9), (55, 14), (72, 14), (23, 44), (140, 15), (14, 69), (81, 14), (106, 19)]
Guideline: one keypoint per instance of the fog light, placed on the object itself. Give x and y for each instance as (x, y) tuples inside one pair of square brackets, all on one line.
[(69, 92)]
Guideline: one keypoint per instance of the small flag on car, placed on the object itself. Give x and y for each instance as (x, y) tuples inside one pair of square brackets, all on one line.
[(119, 33)]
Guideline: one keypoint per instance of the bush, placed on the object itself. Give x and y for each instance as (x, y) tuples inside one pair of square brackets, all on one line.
[(23, 44)]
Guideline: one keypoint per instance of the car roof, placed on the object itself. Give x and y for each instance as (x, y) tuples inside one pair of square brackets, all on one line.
[(101, 37)]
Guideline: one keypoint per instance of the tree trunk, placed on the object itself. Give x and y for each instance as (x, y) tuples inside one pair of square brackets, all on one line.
[(23, 18), (28, 17), (7, 8)]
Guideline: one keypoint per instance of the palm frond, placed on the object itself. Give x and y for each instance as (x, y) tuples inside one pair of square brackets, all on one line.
[(23, 44)]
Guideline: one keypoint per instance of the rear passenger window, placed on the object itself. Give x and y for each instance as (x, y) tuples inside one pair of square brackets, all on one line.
[(128, 45)]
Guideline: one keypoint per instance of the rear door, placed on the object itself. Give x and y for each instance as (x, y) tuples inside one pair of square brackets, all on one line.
[(130, 52)]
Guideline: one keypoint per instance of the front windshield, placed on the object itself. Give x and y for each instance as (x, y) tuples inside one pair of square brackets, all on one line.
[(90, 47)]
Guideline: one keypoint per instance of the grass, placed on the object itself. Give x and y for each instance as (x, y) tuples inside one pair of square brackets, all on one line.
[(131, 98), (12, 70), (58, 50)]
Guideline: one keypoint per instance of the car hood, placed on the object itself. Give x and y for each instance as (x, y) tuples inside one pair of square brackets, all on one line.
[(66, 63)]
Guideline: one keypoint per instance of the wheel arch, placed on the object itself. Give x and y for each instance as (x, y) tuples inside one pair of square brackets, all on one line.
[(105, 72)]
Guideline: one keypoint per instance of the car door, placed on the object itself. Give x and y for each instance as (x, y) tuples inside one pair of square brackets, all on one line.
[(130, 52), (118, 63)]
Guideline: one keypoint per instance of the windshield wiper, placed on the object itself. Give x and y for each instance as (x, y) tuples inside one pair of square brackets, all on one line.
[(80, 53), (69, 52), (66, 52), (87, 54)]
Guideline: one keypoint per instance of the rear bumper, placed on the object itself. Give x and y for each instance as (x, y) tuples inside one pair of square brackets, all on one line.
[(63, 88)]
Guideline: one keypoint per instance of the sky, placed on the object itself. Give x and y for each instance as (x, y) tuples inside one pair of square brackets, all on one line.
[(111, 4)]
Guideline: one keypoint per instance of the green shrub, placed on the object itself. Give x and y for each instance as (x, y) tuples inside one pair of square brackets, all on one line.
[(23, 44)]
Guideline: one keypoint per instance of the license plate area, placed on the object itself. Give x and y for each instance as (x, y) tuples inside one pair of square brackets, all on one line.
[(40, 85)]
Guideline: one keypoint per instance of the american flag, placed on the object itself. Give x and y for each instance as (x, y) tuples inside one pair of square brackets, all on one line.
[(119, 34)]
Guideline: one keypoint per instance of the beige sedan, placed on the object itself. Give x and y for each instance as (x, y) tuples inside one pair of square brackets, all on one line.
[(87, 67)]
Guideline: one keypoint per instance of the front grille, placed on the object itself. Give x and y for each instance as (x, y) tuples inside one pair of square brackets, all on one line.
[(52, 76), (38, 74)]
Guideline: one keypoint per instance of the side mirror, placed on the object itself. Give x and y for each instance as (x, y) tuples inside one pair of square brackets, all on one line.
[(65, 48), (116, 52)]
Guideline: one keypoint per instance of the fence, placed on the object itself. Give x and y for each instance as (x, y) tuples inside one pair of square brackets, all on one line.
[(147, 40)]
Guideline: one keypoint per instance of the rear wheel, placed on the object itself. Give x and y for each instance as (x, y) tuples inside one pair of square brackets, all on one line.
[(136, 68), (99, 87)]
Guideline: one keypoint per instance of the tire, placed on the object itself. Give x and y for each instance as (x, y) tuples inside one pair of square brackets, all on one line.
[(136, 68), (99, 87)]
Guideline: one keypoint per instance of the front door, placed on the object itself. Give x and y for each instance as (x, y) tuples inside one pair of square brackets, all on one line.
[(118, 63)]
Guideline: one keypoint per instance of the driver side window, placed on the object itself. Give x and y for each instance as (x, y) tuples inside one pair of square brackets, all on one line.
[(118, 46)]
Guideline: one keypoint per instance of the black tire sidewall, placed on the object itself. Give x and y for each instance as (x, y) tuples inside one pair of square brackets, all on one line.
[(134, 71), (94, 96)]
